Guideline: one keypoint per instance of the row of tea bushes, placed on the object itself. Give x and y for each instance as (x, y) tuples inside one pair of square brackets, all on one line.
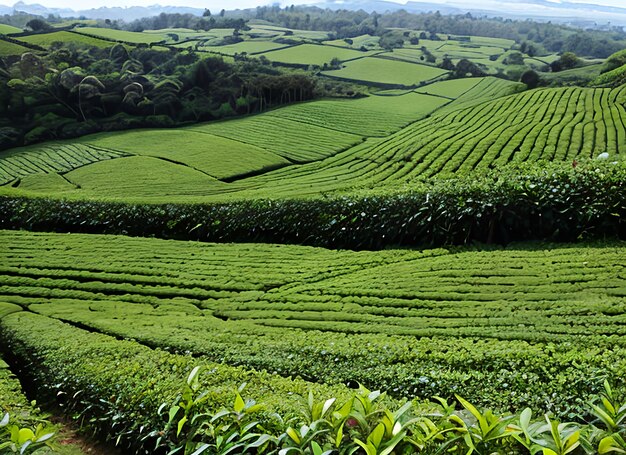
[(529, 202)]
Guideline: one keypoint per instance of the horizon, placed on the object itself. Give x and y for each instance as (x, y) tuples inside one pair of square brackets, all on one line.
[(242, 4)]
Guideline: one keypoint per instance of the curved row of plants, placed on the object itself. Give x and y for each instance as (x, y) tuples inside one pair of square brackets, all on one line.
[(556, 202), (111, 386)]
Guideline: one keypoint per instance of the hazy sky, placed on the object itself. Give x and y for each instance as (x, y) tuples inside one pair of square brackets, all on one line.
[(231, 4)]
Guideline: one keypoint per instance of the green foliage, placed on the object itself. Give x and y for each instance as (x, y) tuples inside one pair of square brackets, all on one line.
[(383, 71), (116, 387), (23, 429), (529, 325), (540, 202), (614, 61), (613, 78), (24, 440)]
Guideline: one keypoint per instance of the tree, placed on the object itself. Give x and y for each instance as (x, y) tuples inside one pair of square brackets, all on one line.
[(447, 64), (207, 13), (38, 25), (514, 58), (530, 78), (222, 13), (569, 60), (465, 67)]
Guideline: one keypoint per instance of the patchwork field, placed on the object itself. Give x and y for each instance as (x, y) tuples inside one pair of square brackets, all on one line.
[(224, 150), (122, 35), (320, 146), (329, 145)]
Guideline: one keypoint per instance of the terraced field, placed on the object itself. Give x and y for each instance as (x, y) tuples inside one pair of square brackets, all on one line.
[(438, 313), (51, 158), (320, 146), (221, 150)]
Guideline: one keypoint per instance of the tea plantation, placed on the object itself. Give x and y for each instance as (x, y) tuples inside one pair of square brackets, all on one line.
[(429, 230)]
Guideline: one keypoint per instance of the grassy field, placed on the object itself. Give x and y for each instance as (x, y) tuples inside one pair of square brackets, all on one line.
[(7, 48), (213, 155), (313, 54), (46, 39), (386, 71), (322, 314), (451, 89), (120, 321), (368, 41), (328, 135), (249, 47), (122, 35), (8, 29)]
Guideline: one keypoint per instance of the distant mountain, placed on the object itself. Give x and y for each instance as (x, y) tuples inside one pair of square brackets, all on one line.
[(580, 14), (382, 6), (583, 14), (114, 13), (132, 13)]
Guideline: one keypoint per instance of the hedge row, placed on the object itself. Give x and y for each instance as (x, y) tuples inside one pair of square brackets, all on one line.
[(552, 202), (117, 386)]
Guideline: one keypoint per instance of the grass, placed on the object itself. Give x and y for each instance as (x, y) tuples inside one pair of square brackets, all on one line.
[(249, 47), (369, 116), (122, 35), (495, 42), (9, 29), (451, 89), (385, 71), (293, 310), (367, 41), (291, 139), (216, 156), (142, 176), (7, 48), (52, 157), (294, 33), (312, 54), (46, 39)]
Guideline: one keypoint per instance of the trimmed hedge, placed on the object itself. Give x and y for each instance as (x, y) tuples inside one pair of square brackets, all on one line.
[(539, 202)]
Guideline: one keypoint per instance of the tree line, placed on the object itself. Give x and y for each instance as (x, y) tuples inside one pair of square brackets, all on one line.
[(543, 37)]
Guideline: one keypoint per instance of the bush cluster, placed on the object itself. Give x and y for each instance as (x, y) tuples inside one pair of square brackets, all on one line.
[(552, 202)]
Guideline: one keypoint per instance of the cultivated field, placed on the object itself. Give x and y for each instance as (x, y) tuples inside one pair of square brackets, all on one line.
[(386, 71), (46, 39), (326, 315), (7, 48), (335, 145), (313, 54), (110, 326)]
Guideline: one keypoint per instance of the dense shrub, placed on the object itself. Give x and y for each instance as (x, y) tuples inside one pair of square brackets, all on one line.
[(532, 202)]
